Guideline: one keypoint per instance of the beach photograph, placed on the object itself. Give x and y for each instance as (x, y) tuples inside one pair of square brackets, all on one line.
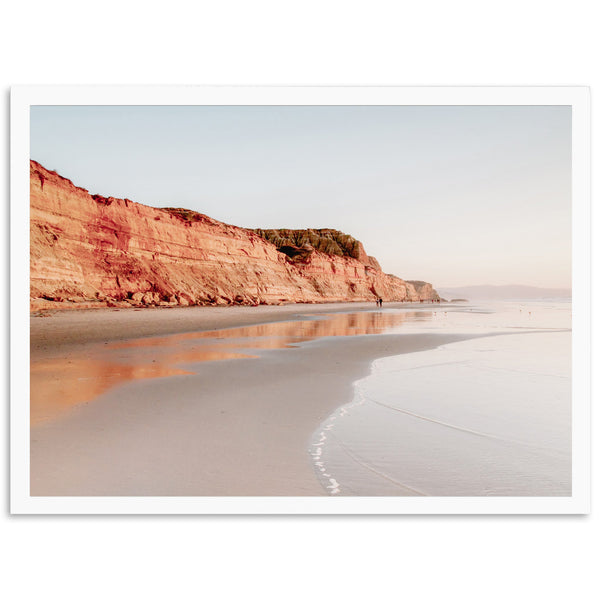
[(300, 301)]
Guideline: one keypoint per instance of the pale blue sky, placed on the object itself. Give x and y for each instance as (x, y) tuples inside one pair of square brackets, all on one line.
[(454, 195)]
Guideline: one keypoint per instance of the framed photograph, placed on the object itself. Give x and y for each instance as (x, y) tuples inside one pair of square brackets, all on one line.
[(300, 300)]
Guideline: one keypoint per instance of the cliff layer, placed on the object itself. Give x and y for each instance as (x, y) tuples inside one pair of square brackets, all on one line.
[(88, 250)]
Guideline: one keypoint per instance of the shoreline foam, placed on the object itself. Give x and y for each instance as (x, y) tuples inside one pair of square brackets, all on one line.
[(499, 426)]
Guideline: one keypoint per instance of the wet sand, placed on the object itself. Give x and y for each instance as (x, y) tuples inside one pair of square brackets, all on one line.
[(52, 330), (185, 411)]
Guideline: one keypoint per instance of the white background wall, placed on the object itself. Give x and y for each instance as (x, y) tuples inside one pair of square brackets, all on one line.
[(465, 42)]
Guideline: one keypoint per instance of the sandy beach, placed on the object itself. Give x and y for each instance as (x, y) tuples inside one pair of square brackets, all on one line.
[(197, 401), (52, 330)]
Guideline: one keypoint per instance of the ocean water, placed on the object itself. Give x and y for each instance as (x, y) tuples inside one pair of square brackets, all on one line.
[(490, 416)]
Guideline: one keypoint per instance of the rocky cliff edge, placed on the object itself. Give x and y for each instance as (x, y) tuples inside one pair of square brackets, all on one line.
[(88, 250)]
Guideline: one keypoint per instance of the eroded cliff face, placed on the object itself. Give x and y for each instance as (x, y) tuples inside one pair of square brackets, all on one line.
[(87, 250)]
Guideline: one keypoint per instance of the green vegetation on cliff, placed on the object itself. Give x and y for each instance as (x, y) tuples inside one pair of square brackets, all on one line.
[(186, 215), (299, 242)]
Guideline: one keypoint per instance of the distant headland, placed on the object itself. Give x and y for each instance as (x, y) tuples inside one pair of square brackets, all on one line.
[(503, 292)]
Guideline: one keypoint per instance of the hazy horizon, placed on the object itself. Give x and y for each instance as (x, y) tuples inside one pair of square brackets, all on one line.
[(504, 292), (453, 195)]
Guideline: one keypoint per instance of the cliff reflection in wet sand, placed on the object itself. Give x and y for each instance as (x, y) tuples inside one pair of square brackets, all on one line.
[(57, 385)]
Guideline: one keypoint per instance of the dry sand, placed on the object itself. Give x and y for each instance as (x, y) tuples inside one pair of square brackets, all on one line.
[(226, 428)]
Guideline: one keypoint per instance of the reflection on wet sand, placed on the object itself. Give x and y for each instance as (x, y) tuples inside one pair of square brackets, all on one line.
[(283, 333), (58, 385)]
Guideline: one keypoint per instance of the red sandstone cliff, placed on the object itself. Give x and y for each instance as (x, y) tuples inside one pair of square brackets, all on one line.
[(93, 251)]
